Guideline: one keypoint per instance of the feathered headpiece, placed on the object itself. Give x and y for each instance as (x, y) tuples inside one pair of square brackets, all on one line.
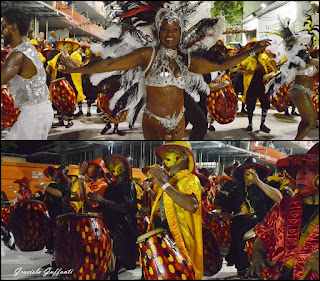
[(139, 27), (297, 45)]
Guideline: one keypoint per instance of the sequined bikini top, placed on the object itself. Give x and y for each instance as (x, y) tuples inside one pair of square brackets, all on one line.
[(310, 71), (161, 74), (29, 91)]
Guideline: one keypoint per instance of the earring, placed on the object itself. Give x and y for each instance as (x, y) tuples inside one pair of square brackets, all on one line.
[(315, 182)]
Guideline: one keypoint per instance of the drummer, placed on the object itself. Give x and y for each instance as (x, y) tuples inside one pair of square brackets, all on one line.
[(24, 192), (92, 178), (69, 51), (119, 208), (248, 203), (56, 196), (253, 69), (293, 221), (179, 197)]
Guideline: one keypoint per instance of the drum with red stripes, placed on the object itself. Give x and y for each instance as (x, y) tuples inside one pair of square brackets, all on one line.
[(63, 96), (223, 104), (104, 105), (82, 244), (31, 225), (161, 259), (9, 114)]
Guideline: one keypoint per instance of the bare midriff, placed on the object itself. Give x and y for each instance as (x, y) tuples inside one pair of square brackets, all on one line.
[(163, 101)]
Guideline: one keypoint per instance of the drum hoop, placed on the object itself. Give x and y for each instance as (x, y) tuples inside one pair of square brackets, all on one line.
[(249, 234), (31, 201), (144, 237), (75, 215), (59, 79)]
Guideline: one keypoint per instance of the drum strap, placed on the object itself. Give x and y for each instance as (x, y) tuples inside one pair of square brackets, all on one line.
[(313, 222)]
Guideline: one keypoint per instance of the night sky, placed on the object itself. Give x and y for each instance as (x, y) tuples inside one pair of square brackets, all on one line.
[(23, 147)]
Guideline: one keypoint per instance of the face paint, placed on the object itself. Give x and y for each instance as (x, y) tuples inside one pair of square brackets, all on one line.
[(172, 157), (307, 182), (117, 168), (248, 175)]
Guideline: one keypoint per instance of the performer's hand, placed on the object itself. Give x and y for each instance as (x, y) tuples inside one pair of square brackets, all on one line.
[(261, 45), (95, 197), (258, 266), (66, 65), (251, 178), (41, 182), (312, 263), (226, 216), (83, 168), (160, 175)]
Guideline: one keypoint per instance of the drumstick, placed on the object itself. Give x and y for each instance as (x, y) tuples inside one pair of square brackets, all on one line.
[(304, 275)]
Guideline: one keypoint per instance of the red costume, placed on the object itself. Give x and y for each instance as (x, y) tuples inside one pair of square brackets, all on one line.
[(280, 232), (25, 192), (289, 232)]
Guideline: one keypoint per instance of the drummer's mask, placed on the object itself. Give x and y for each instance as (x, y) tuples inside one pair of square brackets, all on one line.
[(307, 182), (117, 168), (172, 158)]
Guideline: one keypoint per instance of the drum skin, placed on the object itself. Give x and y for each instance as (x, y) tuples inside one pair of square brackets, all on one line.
[(103, 104), (161, 259), (249, 239), (5, 214), (223, 104), (82, 243), (63, 96), (212, 261), (31, 225), (9, 114)]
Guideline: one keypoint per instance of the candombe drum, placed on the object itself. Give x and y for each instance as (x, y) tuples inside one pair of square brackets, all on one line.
[(63, 96), (281, 100), (249, 238), (223, 104), (161, 259), (315, 100), (103, 103), (212, 261), (5, 214), (82, 243), (222, 231), (31, 225), (9, 114)]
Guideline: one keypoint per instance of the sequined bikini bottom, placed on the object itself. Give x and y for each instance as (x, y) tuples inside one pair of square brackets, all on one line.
[(296, 88), (169, 123)]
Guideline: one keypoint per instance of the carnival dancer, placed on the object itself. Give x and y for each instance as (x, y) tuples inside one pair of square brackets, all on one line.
[(179, 201), (24, 192), (24, 73), (247, 204), (253, 69), (119, 207), (166, 60), (299, 68), (69, 52), (287, 240), (56, 198)]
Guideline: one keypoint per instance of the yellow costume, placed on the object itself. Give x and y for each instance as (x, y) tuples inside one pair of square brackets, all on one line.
[(251, 63), (185, 227), (39, 49), (76, 77)]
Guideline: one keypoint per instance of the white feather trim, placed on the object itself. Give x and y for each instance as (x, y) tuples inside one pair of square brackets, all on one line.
[(95, 79)]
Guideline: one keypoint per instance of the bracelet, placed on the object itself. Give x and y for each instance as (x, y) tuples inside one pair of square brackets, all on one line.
[(42, 183), (67, 55), (44, 188), (81, 177), (148, 189), (165, 186), (251, 52)]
